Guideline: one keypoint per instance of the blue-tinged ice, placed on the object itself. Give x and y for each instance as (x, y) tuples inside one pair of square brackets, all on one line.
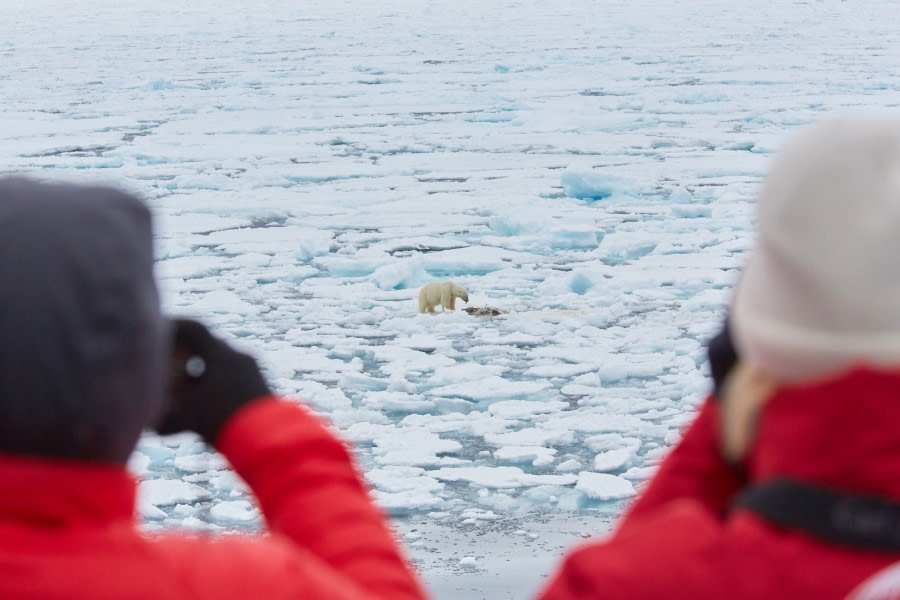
[(593, 184)]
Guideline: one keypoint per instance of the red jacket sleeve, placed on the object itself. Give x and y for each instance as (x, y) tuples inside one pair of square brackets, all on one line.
[(694, 472), (694, 469), (311, 492)]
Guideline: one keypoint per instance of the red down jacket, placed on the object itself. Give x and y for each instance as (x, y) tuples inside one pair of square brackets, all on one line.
[(67, 530), (680, 540)]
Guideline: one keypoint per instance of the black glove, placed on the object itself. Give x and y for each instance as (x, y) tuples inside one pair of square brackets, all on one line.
[(722, 358), (210, 382)]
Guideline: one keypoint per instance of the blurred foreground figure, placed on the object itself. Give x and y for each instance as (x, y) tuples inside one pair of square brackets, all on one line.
[(86, 362), (787, 484)]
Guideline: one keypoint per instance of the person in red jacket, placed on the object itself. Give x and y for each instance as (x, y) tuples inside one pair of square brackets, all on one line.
[(787, 484), (87, 361)]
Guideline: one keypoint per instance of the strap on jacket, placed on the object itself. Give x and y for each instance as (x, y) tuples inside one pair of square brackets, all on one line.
[(866, 522)]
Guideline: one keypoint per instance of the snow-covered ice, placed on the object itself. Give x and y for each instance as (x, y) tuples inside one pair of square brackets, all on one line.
[(237, 511), (602, 486), (587, 167)]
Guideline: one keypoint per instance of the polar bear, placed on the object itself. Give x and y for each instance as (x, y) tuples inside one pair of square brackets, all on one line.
[(444, 293)]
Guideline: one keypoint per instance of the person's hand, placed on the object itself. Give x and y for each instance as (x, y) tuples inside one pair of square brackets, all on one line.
[(210, 382)]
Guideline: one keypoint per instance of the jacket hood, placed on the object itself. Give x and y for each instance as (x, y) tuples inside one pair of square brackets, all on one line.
[(842, 433), (82, 358)]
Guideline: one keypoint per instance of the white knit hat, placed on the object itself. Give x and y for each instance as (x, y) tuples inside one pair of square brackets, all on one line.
[(821, 292)]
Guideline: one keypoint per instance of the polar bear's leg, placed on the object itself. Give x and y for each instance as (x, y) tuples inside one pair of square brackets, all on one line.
[(426, 300), (446, 300), (452, 302)]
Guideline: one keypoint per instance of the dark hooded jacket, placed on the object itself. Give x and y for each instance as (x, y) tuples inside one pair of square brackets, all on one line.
[(82, 355), (82, 340)]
